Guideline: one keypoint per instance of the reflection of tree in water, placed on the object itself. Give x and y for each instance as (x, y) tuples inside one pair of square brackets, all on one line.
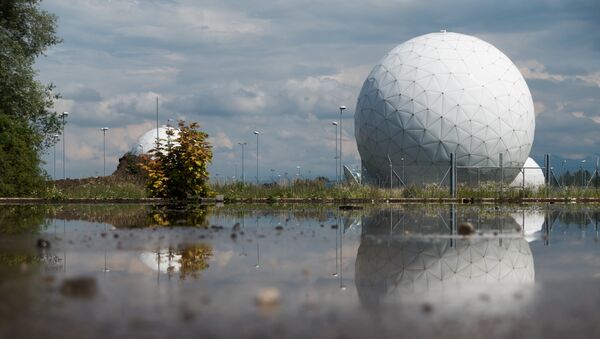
[(24, 219), (194, 259), (188, 260), (191, 215)]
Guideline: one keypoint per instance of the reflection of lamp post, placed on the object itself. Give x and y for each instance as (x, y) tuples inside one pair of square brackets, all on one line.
[(336, 152), (336, 248), (341, 228), (104, 129), (243, 174), (257, 133), (257, 247), (342, 108), (64, 116)]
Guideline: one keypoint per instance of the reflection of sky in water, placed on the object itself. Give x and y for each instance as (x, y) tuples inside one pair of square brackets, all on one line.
[(379, 260)]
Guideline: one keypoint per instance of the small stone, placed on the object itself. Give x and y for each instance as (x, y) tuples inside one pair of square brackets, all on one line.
[(233, 236), (103, 235), (236, 227), (79, 287), (116, 236), (466, 228), (268, 297), (279, 228), (427, 308), (334, 227), (43, 243)]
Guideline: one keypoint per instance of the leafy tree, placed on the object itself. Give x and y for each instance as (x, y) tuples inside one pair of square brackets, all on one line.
[(179, 169), (20, 173), (26, 32)]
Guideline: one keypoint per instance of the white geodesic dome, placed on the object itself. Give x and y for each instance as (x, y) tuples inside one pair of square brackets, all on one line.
[(534, 176), (437, 94), (148, 140)]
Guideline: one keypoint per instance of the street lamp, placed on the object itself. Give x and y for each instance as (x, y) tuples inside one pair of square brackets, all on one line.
[(55, 136), (336, 150), (563, 172), (64, 116), (243, 174), (582, 175), (403, 178), (342, 108), (257, 133), (104, 129)]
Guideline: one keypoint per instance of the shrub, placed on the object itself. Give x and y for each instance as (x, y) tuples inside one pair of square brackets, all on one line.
[(179, 169)]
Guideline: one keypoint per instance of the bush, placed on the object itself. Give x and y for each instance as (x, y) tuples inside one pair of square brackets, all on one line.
[(179, 169)]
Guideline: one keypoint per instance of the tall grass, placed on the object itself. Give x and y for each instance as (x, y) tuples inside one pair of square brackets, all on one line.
[(319, 191)]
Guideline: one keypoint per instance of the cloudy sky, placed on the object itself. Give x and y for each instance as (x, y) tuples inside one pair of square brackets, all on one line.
[(283, 68)]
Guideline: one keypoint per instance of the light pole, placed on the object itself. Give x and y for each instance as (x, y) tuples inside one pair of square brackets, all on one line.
[(336, 150), (563, 173), (257, 133), (55, 141), (64, 116), (342, 108), (104, 129), (582, 175), (243, 175), (403, 178)]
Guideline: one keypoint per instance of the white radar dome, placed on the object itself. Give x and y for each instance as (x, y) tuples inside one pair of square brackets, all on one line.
[(147, 141), (437, 94)]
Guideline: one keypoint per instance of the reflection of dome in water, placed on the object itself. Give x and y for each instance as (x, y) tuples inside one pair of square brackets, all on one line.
[(534, 177), (438, 94), (428, 265), (165, 262), (531, 222), (148, 140), (411, 269)]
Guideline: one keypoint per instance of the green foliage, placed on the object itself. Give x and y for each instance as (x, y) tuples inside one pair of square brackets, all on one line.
[(20, 173), (179, 169), (26, 32)]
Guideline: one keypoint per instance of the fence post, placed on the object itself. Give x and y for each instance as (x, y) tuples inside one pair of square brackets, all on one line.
[(501, 173), (452, 175)]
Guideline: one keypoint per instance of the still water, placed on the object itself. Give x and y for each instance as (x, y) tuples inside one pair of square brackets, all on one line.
[(92, 271)]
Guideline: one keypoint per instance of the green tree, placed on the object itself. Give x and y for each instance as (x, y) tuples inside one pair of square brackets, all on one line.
[(26, 104), (179, 169)]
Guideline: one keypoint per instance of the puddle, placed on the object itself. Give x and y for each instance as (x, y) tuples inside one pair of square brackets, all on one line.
[(89, 271)]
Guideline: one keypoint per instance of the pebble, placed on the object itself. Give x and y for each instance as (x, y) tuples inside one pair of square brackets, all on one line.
[(43, 243), (79, 287), (466, 228), (279, 228), (236, 227)]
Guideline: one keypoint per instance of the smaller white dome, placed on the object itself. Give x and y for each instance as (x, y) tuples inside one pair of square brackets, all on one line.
[(148, 140), (534, 176)]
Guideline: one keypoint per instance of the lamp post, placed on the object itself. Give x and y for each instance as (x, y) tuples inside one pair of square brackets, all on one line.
[(563, 173), (257, 133), (104, 129), (64, 116), (582, 174), (243, 175), (336, 150), (55, 141), (342, 108), (403, 178)]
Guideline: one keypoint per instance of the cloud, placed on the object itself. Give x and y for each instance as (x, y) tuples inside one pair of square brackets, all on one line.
[(284, 67)]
